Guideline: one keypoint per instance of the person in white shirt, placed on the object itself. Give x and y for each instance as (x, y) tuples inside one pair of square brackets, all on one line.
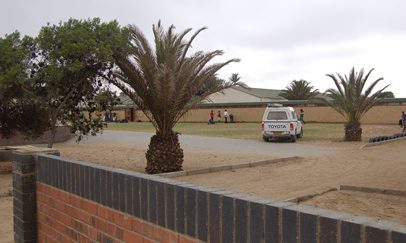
[(225, 114)]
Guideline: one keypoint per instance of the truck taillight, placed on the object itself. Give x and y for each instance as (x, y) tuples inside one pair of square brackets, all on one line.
[(262, 125), (291, 126)]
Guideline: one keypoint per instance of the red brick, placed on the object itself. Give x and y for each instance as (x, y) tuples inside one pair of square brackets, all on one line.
[(53, 192), (147, 230), (147, 241), (75, 201), (84, 239), (58, 226), (110, 215), (89, 207), (60, 206), (65, 239), (110, 228), (184, 239), (64, 197), (41, 236), (136, 225), (123, 220), (119, 233), (159, 234), (40, 197), (40, 187), (131, 237), (102, 212), (93, 233), (81, 227), (99, 224), (173, 237)]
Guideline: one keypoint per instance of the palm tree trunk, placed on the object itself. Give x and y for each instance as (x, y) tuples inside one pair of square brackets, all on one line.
[(164, 154), (353, 131)]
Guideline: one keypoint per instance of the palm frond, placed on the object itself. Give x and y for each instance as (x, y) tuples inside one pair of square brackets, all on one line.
[(167, 82), (348, 99)]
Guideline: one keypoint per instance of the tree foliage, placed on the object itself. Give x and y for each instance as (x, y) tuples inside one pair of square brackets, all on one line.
[(165, 83), (386, 95), (299, 90), (352, 100), (106, 100), (17, 111), (70, 61), (61, 71)]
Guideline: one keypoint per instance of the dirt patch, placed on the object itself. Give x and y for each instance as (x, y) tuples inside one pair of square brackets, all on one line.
[(382, 167), (132, 157), (362, 203), (6, 223), (6, 183)]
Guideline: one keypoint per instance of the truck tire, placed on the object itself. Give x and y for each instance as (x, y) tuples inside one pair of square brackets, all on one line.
[(300, 135), (266, 139), (293, 139)]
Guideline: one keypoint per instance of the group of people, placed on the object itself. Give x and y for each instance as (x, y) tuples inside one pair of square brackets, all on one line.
[(402, 121), (228, 118), (110, 117)]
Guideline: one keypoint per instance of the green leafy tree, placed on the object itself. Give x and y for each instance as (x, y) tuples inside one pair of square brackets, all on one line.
[(351, 101), (386, 95), (106, 100), (17, 112), (68, 65), (165, 83), (299, 90)]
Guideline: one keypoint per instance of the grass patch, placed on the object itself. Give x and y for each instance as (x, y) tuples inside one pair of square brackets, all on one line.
[(312, 131)]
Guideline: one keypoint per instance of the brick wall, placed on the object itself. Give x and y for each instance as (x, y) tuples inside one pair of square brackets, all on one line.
[(84, 202), (379, 114), (63, 217)]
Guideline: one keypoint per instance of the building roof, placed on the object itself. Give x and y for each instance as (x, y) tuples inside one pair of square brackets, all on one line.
[(125, 100), (261, 93)]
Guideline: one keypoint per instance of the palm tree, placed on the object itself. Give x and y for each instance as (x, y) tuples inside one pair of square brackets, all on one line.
[(235, 77), (350, 101), (299, 90), (165, 83)]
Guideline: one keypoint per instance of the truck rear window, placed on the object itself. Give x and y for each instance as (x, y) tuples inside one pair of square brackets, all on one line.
[(277, 115)]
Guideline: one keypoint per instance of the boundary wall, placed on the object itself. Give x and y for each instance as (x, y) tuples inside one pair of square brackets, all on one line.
[(387, 111), (62, 200)]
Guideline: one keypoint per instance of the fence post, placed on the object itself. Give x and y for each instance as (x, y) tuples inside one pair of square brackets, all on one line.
[(24, 201), (24, 192)]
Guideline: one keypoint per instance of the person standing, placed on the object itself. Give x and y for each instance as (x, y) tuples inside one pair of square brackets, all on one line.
[(225, 114), (218, 116), (301, 116), (212, 116), (404, 121)]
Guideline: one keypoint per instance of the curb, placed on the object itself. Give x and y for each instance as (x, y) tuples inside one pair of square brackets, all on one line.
[(228, 167), (382, 142), (373, 190)]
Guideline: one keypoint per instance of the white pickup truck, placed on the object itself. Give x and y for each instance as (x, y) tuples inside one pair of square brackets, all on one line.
[(281, 122)]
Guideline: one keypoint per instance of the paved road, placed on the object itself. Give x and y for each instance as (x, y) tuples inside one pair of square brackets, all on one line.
[(214, 144)]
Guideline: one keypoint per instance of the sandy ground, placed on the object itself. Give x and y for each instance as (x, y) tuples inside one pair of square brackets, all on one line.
[(381, 166), (360, 203), (132, 157), (6, 225), (6, 210)]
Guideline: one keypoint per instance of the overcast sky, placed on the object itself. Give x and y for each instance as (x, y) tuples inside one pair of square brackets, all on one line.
[(277, 41)]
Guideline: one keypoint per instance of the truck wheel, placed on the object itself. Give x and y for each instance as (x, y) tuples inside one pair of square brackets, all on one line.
[(300, 135), (266, 139), (293, 138)]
